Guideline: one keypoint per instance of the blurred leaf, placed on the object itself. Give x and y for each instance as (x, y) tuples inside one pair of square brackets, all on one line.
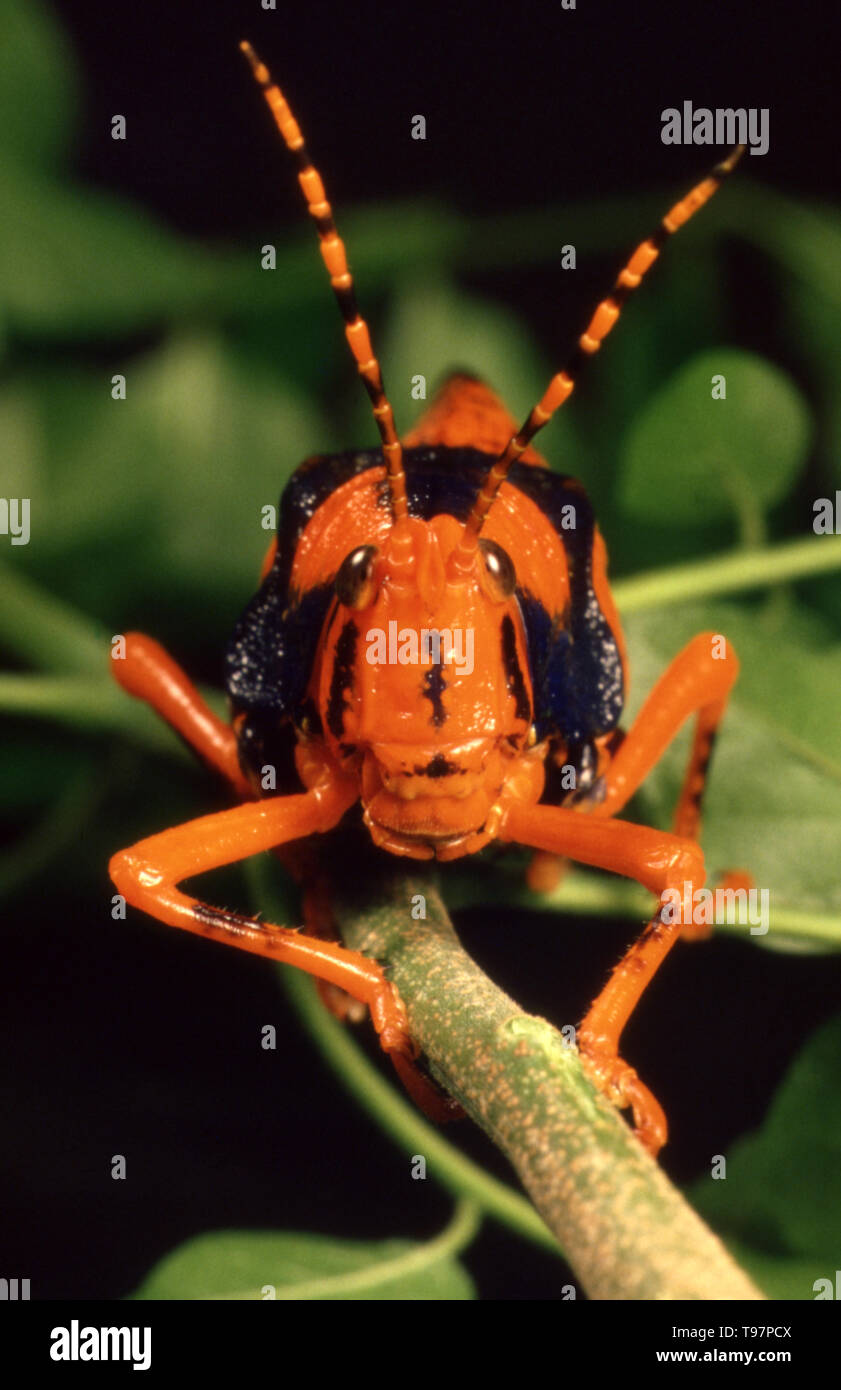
[(80, 261), (39, 95), (222, 444), (239, 1264), (804, 237), (91, 264), (773, 804), (435, 329), (171, 480), (775, 1208), (815, 325), (690, 458)]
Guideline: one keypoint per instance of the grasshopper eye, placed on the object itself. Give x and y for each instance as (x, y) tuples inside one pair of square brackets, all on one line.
[(355, 580), (500, 578)]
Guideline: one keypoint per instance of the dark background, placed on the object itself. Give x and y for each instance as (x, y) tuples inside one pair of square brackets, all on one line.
[(520, 105), (523, 105)]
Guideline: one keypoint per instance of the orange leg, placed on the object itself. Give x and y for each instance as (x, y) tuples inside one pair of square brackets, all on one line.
[(695, 682), (149, 673), (698, 681), (545, 872), (147, 875), (659, 861), (344, 977)]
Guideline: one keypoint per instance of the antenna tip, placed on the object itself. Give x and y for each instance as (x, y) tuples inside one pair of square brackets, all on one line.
[(258, 68), (728, 165)]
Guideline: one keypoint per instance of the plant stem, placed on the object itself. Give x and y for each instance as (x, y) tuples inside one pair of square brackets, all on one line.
[(48, 633), (404, 1122), (722, 574), (583, 892), (626, 1231)]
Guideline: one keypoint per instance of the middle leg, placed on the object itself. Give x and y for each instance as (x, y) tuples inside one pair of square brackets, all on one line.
[(659, 861)]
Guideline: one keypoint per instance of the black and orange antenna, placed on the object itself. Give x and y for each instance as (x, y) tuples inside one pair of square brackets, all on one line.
[(562, 384), (335, 259)]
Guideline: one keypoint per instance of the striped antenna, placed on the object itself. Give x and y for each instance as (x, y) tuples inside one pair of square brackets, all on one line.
[(335, 259), (561, 385)]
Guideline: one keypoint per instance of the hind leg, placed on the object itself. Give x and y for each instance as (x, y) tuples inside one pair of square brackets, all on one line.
[(698, 681)]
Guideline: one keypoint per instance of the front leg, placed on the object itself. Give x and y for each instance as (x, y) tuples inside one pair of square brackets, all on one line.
[(148, 873), (149, 673), (660, 862)]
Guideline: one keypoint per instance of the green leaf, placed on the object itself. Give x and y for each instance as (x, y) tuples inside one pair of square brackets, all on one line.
[(170, 480), (89, 264), (689, 458), (241, 1264), (773, 803), (779, 1207), (39, 96), (222, 445), (435, 329)]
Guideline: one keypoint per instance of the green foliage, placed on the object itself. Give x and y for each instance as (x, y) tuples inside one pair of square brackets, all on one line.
[(33, 59), (241, 1264), (774, 803), (774, 1207), (690, 457)]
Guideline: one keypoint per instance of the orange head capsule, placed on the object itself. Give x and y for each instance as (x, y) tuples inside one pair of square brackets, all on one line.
[(423, 689)]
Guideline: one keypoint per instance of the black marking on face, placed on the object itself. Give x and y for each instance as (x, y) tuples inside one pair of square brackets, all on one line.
[(342, 678), (513, 674), (439, 767), (434, 686)]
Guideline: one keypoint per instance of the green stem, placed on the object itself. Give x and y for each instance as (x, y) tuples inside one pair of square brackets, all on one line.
[(95, 706), (98, 706), (48, 633), (405, 1124), (724, 574), (393, 1114), (626, 1231), (580, 892)]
